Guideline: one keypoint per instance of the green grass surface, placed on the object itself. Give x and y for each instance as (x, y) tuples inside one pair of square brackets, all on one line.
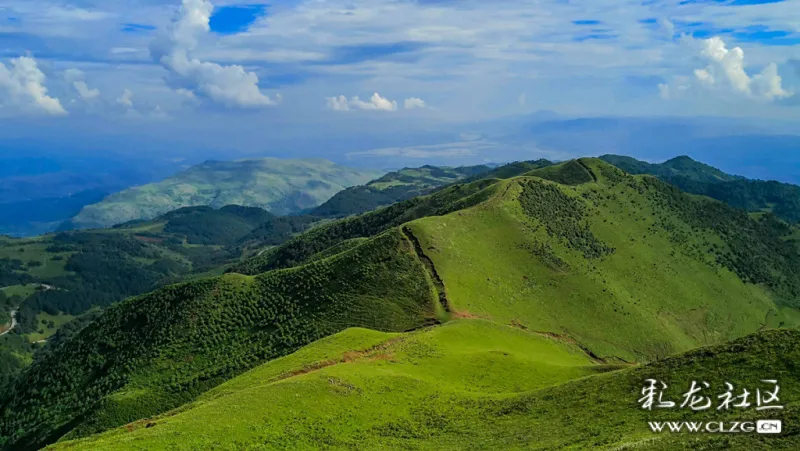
[(22, 291), (464, 357), (466, 385), (35, 251), (47, 331), (498, 263), (561, 280)]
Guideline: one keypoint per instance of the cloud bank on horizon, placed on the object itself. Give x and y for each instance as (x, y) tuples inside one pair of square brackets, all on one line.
[(447, 60)]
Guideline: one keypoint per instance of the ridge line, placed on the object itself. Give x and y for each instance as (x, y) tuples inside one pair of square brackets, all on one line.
[(588, 169)]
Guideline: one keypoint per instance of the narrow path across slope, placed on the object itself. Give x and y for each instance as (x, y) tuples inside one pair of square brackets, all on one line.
[(437, 281)]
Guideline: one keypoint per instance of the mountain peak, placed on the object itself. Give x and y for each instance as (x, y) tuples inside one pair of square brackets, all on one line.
[(681, 159)]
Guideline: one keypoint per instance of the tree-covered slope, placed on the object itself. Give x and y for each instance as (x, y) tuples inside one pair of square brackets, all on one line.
[(514, 169), (470, 384), (300, 249), (782, 199), (446, 198), (51, 280), (682, 166), (624, 268), (98, 267), (279, 186), (394, 187), (155, 352), (613, 248)]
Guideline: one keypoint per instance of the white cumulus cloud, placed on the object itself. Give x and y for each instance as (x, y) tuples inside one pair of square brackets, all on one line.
[(727, 67), (413, 102), (84, 91), (23, 82), (338, 103), (227, 85), (768, 83), (126, 99), (376, 102), (75, 77)]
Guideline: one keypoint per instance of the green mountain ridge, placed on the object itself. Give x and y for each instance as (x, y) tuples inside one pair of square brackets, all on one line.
[(276, 185), (782, 199), (132, 258), (394, 187), (557, 254), (679, 166)]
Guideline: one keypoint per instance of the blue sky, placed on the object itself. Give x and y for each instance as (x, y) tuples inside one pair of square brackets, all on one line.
[(251, 76)]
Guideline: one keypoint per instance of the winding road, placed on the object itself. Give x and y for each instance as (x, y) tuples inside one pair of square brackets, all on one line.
[(13, 323), (14, 312)]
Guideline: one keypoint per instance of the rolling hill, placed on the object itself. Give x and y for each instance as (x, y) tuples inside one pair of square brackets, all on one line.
[(276, 185), (93, 269), (782, 199), (409, 183), (54, 280), (490, 305), (394, 187), (430, 390)]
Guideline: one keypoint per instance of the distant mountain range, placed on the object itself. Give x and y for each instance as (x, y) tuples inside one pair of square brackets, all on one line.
[(279, 186), (316, 187)]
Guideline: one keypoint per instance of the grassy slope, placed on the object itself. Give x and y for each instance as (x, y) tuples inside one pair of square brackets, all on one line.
[(611, 264), (280, 186), (20, 290), (659, 301), (300, 249), (44, 327), (34, 250), (116, 410), (469, 384), (155, 352), (452, 359)]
